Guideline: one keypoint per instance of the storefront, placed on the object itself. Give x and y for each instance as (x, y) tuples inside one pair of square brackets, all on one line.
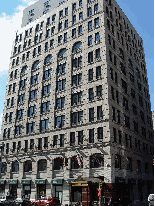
[(85, 191), (57, 188), (2, 186), (13, 184), (41, 188), (26, 188)]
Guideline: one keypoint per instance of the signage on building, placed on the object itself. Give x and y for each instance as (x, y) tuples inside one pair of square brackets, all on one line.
[(11, 181), (58, 181)]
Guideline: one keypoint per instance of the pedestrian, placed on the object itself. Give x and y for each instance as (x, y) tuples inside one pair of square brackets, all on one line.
[(110, 201), (119, 202)]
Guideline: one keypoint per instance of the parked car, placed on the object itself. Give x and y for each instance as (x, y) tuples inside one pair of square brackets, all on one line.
[(151, 199), (2, 198), (47, 201), (18, 201)]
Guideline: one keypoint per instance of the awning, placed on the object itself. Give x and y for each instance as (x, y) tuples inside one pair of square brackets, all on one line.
[(57, 181), (26, 182), (70, 180), (2, 182), (40, 182), (12, 182)]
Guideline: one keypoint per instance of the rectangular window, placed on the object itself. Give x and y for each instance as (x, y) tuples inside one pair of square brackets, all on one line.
[(47, 74), (99, 113), (90, 57), (60, 13), (60, 103), (80, 29), (91, 136), (65, 37), (100, 133), (90, 75), (44, 125), (66, 11), (98, 72), (96, 22), (74, 19), (62, 140), (60, 26), (55, 140), (97, 37), (80, 137), (91, 114), (74, 32), (72, 138), (99, 91), (30, 127), (90, 26), (80, 15), (66, 23), (60, 39), (45, 107), (74, 6), (46, 90), (32, 110), (40, 144), (80, 2), (89, 12), (31, 144), (54, 17), (96, 8), (60, 121)]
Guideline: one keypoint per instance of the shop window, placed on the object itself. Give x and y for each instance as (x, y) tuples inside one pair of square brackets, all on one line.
[(42, 165), (96, 161)]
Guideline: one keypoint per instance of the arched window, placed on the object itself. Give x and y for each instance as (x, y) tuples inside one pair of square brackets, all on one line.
[(35, 65), (42, 165), (74, 163), (62, 53), (96, 160), (15, 166), (48, 59), (117, 161), (27, 166), (129, 163), (77, 46), (24, 69), (58, 164), (4, 167), (138, 166)]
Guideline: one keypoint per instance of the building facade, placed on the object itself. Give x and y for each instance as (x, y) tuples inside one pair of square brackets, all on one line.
[(77, 113)]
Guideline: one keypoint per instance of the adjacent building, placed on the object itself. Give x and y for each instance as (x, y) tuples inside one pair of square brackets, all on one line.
[(77, 113)]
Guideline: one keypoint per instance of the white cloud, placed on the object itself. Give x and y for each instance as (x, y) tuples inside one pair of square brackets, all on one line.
[(10, 25)]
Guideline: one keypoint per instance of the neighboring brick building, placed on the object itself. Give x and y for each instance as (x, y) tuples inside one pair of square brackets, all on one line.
[(77, 84)]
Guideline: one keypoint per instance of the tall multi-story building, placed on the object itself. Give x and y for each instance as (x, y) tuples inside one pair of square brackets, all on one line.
[(77, 111)]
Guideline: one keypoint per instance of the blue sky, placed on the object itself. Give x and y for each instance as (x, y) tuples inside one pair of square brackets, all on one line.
[(139, 12)]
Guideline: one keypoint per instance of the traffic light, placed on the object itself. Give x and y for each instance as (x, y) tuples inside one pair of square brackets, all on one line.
[(100, 183)]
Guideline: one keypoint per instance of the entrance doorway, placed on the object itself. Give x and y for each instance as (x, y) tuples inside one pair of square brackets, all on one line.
[(57, 189), (41, 191), (76, 194), (26, 191), (13, 191)]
